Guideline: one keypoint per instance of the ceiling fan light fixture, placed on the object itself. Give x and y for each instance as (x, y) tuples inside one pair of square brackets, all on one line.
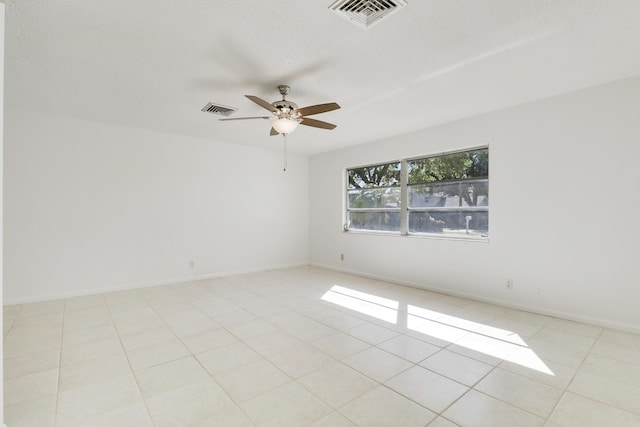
[(286, 116), (285, 125)]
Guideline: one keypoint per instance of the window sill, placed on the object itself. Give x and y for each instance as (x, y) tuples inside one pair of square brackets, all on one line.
[(419, 236)]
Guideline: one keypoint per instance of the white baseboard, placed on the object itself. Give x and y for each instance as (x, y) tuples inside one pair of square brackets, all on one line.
[(139, 285), (605, 323)]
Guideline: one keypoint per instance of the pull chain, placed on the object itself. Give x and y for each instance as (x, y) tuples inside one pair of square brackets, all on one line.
[(285, 152)]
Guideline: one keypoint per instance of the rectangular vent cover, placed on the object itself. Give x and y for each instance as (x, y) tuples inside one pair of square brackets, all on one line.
[(221, 110), (366, 13)]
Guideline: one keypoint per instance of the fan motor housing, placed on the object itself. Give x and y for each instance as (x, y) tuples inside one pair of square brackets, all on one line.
[(285, 106)]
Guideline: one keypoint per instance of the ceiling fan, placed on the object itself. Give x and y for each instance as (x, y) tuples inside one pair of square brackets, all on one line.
[(287, 116)]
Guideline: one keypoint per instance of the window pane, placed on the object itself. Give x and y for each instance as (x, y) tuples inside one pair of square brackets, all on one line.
[(376, 221), (375, 198), (450, 223), (457, 166), (384, 175), (449, 194)]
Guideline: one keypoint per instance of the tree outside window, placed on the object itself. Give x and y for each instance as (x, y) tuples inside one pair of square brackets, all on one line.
[(446, 194)]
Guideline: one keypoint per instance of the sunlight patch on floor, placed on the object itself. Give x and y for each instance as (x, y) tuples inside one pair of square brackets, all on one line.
[(482, 338), (371, 305)]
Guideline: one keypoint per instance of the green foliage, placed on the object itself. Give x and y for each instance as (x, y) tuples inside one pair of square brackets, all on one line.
[(450, 167), (375, 198), (375, 176), (373, 187)]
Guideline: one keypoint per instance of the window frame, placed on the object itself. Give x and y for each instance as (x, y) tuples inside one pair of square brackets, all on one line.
[(405, 210), (347, 209)]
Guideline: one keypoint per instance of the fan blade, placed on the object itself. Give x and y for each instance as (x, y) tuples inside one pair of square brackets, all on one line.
[(261, 102), (274, 132), (317, 123), (317, 109), (246, 118)]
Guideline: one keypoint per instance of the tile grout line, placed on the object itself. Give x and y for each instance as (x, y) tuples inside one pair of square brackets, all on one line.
[(472, 387), (566, 390), (193, 355), (292, 379), (563, 390), (291, 308), (64, 314), (469, 388), (263, 357), (133, 374), (296, 380), (13, 322), (378, 383), (496, 367)]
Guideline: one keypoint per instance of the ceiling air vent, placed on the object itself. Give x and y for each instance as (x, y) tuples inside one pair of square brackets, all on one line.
[(366, 13), (221, 110)]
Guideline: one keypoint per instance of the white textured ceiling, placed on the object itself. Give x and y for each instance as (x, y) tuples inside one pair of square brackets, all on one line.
[(155, 63)]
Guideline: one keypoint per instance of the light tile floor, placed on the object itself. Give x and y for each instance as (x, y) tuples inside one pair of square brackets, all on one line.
[(309, 347)]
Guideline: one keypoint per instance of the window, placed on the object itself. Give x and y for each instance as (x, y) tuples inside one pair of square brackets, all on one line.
[(446, 195), (373, 194)]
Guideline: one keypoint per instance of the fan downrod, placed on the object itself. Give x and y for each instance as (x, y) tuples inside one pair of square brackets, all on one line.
[(284, 90)]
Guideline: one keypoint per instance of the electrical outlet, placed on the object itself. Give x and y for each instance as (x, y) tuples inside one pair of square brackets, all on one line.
[(192, 263), (509, 284), (341, 257)]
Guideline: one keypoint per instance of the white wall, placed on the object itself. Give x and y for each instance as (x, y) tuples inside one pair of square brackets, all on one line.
[(1, 187), (564, 209), (93, 207)]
